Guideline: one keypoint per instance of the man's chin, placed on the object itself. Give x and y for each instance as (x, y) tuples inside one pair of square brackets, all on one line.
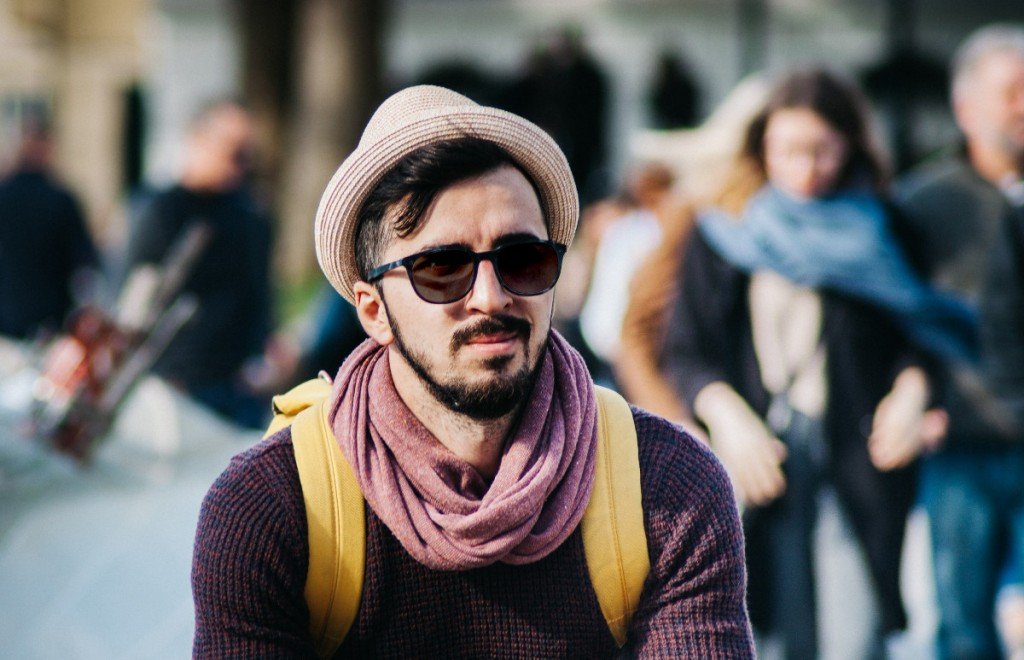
[(471, 359), (491, 372)]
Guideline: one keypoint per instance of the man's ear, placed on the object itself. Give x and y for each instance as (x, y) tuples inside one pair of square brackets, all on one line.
[(373, 314)]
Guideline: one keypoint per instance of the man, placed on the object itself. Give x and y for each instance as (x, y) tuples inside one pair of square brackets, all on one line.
[(230, 278), (468, 424), (39, 216), (967, 212)]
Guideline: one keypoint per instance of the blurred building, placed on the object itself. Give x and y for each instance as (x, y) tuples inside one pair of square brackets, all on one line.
[(78, 61)]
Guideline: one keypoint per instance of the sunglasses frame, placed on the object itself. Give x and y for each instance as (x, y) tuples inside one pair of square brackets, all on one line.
[(489, 255)]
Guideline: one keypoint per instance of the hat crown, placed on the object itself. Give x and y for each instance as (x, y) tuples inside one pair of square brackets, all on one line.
[(404, 106)]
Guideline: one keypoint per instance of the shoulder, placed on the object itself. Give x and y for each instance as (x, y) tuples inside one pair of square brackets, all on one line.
[(928, 175), (271, 461), (948, 181), (249, 203), (678, 473), (948, 204), (708, 281), (259, 487), (161, 206), (700, 257)]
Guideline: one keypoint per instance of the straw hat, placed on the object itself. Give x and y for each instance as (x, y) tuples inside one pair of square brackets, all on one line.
[(416, 117)]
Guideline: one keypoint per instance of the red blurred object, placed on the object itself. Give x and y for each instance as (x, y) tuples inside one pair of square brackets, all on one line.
[(88, 372), (76, 369)]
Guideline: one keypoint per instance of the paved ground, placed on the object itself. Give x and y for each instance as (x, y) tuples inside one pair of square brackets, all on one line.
[(95, 563)]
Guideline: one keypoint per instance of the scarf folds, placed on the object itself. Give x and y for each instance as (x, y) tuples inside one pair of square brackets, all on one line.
[(843, 242), (438, 506)]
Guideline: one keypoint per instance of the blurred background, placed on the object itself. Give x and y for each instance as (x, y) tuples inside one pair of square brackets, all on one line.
[(121, 78), (94, 558)]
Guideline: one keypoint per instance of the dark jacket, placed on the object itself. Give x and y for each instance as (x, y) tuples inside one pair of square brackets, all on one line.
[(231, 280), (969, 237), (1002, 321), (43, 244)]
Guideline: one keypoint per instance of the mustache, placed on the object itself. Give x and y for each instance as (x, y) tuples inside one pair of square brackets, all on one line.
[(491, 325)]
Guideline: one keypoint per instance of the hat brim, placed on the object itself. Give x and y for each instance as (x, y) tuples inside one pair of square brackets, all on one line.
[(356, 177)]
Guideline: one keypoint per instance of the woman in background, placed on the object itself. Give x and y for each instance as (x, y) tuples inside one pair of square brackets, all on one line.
[(791, 341)]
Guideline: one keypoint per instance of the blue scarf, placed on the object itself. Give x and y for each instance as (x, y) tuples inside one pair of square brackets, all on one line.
[(844, 243)]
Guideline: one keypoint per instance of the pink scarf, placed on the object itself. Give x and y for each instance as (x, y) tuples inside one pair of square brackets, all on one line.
[(437, 505)]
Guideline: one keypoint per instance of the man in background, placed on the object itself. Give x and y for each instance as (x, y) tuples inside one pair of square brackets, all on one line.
[(46, 252), (967, 212), (230, 279)]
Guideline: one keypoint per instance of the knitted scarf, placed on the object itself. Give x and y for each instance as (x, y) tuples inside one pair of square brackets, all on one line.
[(843, 242), (438, 506)]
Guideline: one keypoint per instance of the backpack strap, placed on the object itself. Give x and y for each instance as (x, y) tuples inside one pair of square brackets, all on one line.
[(335, 515), (614, 540), (286, 406)]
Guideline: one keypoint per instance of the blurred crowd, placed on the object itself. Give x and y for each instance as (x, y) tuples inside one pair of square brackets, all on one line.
[(762, 279)]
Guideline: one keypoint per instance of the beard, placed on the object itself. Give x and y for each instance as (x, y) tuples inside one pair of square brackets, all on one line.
[(481, 401)]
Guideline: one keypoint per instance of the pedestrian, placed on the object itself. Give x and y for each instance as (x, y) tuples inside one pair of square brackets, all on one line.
[(231, 277), (470, 429), (789, 341), (46, 253), (966, 212)]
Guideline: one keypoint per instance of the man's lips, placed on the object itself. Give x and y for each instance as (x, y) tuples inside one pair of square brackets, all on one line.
[(493, 345), (496, 333), (496, 338)]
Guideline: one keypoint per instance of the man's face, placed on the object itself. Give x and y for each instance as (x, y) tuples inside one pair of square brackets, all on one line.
[(990, 109), (477, 355), (220, 150)]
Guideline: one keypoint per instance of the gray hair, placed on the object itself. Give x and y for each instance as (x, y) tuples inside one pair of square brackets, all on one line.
[(997, 38)]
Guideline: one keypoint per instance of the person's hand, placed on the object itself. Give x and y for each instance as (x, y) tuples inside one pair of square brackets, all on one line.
[(902, 428), (751, 454)]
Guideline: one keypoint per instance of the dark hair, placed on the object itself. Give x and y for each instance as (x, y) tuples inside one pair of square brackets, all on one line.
[(413, 183), (836, 101)]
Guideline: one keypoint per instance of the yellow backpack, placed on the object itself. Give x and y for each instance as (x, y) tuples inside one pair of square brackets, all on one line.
[(613, 525)]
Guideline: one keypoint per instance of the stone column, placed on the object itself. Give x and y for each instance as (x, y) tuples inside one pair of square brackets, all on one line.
[(102, 59), (337, 85)]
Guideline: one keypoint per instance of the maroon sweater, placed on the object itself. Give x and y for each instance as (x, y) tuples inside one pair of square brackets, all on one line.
[(250, 564)]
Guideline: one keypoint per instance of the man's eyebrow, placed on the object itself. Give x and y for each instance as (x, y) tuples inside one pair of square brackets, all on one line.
[(518, 237), (507, 239), (445, 246)]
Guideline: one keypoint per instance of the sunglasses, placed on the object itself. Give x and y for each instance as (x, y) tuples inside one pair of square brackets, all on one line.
[(444, 275)]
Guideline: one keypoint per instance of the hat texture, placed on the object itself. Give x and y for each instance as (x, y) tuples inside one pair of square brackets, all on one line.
[(416, 117)]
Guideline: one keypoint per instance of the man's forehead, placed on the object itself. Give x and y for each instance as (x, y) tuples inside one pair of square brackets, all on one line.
[(1000, 66), (495, 205)]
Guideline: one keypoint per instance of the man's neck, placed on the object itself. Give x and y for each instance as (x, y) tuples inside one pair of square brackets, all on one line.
[(479, 442), (993, 165)]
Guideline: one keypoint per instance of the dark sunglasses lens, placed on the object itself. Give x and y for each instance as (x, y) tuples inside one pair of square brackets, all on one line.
[(443, 276), (529, 268)]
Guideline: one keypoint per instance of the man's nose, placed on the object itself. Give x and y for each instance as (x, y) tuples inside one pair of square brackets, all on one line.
[(487, 294)]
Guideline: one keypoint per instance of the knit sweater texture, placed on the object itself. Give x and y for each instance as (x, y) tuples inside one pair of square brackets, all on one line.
[(251, 555)]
